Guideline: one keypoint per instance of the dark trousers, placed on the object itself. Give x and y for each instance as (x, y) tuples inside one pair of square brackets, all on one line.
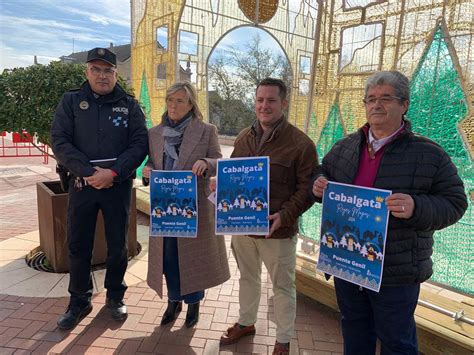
[(387, 315), (84, 206), (172, 276)]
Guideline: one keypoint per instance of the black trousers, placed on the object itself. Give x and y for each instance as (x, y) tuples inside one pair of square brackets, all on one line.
[(84, 206)]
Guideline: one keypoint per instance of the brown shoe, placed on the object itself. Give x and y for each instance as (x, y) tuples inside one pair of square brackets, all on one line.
[(281, 348), (234, 333)]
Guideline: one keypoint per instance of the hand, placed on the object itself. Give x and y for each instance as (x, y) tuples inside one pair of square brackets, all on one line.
[(319, 186), (146, 172), (199, 167), (102, 178), (212, 184), (400, 205), (276, 218)]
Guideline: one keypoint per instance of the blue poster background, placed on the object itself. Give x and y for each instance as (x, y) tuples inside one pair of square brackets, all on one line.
[(353, 233), (173, 204), (242, 196)]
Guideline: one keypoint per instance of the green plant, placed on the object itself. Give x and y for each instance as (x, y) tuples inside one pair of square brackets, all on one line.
[(29, 96)]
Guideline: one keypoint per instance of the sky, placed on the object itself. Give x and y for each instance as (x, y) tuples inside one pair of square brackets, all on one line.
[(53, 28)]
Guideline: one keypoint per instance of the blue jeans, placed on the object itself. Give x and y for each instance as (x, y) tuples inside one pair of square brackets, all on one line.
[(387, 315), (171, 271)]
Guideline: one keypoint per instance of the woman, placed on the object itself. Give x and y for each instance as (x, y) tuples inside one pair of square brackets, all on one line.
[(184, 142)]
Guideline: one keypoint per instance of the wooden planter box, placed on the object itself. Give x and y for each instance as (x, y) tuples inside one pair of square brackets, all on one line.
[(52, 220)]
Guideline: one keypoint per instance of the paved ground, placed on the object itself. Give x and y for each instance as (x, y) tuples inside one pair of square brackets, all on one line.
[(28, 324)]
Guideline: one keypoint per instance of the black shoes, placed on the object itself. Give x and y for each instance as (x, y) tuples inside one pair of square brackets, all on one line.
[(192, 315), (73, 315), (118, 309), (173, 309), (171, 312)]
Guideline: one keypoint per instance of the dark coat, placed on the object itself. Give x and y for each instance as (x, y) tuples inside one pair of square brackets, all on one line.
[(87, 128), (293, 160), (416, 166), (202, 260)]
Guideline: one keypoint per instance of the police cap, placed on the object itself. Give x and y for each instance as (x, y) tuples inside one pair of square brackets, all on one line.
[(102, 54)]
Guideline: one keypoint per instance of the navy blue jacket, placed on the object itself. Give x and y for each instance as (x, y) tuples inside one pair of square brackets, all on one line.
[(86, 127), (411, 165)]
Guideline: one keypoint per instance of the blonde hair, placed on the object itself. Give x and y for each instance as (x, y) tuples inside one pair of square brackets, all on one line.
[(190, 93)]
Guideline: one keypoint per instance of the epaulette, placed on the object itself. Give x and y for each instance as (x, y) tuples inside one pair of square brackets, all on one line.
[(76, 89)]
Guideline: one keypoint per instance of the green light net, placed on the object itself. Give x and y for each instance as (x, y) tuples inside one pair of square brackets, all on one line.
[(332, 131), (146, 105), (438, 104)]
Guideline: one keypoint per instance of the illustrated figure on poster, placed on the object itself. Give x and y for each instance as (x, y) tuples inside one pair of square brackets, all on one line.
[(371, 254), (189, 212), (259, 203), (225, 206), (350, 243), (329, 240), (174, 209), (158, 212)]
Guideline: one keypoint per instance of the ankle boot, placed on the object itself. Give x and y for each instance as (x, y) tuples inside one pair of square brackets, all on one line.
[(192, 315), (172, 311)]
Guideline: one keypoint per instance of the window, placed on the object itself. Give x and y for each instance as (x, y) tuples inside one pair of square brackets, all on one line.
[(162, 38), (303, 87), (161, 75), (188, 42), (305, 65), (360, 49)]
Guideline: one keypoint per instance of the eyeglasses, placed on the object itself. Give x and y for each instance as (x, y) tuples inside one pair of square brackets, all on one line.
[(106, 71), (384, 100)]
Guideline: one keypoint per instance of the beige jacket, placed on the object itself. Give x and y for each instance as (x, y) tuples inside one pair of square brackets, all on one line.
[(202, 260)]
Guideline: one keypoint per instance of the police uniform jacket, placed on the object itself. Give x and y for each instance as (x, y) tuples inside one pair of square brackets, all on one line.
[(90, 130)]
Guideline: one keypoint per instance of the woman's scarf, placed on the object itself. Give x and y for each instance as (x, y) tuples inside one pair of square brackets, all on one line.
[(173, 136)]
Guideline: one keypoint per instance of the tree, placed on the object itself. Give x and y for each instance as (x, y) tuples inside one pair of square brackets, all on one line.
[(256, 63), (230, 116), (234, 74), (29, 96)]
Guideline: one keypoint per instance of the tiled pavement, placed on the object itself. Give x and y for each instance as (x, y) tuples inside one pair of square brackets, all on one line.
[(28, 324)]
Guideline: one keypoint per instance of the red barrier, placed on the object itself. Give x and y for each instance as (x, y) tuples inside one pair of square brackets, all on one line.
[(13, 145)]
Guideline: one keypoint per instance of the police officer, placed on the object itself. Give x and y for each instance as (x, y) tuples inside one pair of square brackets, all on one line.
[(99, 135)]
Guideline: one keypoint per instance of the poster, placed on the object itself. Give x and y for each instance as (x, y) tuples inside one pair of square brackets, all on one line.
[(173, 204), (242, 196), (353, 233)]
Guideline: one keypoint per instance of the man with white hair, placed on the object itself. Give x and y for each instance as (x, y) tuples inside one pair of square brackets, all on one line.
[(427, 195)]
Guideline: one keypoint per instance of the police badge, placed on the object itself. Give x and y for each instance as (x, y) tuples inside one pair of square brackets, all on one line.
[(83, 105)]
